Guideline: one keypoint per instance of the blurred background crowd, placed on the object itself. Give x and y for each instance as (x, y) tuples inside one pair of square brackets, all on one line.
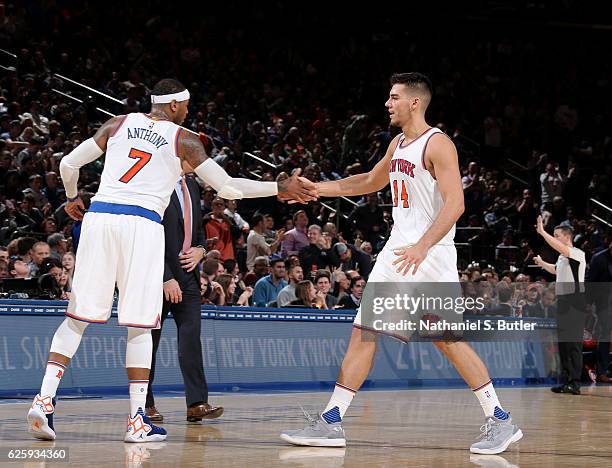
[(530, 116)]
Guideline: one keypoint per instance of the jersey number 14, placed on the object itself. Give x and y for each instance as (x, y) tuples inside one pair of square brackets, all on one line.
[(142, 158), (396, 194)]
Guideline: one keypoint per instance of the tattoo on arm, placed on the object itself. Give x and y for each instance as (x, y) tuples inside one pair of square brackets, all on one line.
[(283, 184), (191, 149)]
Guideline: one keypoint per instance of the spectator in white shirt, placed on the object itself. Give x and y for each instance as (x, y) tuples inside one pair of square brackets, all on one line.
[(256, 242)]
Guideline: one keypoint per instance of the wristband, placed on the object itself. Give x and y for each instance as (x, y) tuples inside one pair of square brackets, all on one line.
[(70, 200)]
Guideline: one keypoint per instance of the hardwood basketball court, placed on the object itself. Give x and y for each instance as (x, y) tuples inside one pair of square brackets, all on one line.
[(432, 427)]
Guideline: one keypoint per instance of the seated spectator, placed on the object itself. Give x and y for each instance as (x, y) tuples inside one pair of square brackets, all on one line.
[(287, 294), (307, 296), (68, 261), (231, 267), (210, 291), (213, 254), (52, 268), (219, 226), (341, 283), (256, 241), (269, 232), (506, 251), (231, 213), (65, 285), (353, 299), (58, 244), (315, 256), (323, 285), (52, 192), (549, 305), (228, 283), (261, 268), (48, 226), (38, 252), (350, 258), (4, 270), (268, 287), (17, 268), (503, 308), (532, 307), (28, 215), (4, 254), (297, 238)]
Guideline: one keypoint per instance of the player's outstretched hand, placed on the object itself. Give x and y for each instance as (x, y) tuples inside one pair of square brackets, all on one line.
[(75, 209), (296, 189), (409, 257)]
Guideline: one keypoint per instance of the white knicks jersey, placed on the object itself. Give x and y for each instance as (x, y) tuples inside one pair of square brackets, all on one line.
[(416, 197), (141, 166)]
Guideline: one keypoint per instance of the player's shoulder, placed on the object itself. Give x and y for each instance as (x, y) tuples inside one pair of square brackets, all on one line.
[(440, 143)]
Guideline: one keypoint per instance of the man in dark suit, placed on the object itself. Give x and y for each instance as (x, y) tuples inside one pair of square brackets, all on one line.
[(183, 253), (598, 279)]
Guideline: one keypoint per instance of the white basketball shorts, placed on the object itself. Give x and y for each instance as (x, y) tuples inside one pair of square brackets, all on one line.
[(124, 250), (440, 266)]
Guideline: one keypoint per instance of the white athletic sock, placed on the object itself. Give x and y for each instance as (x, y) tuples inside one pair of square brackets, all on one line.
[(488, 400), (138, 395), (338, 403), (52, 378)]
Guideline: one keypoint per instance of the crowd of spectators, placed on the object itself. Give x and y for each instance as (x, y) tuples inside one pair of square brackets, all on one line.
[(529, 143)]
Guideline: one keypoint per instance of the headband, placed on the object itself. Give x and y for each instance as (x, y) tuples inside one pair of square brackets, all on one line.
[(167, 98)]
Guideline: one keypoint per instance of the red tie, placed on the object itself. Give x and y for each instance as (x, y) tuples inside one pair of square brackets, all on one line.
[(186, 215)]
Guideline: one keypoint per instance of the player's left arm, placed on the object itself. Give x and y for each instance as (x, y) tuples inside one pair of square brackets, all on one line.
[(441, 156)]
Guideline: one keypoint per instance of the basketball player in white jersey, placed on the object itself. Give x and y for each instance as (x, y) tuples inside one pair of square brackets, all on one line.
[(122, 240), (422, 166)]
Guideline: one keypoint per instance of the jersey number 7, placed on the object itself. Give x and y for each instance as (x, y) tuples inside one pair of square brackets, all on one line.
[(142, 159)]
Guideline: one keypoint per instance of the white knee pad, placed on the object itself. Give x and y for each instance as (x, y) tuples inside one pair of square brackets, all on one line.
[(68, 337), (139, 348)]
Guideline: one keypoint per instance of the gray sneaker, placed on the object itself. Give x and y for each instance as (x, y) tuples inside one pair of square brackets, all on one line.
[(497, 435), (318, 433)]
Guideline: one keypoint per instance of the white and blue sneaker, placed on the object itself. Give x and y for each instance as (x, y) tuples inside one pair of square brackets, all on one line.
[(141, 429), (318, 433), (40, 418), (496, 435)]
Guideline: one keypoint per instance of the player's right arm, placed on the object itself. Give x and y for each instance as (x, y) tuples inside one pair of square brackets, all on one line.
[(192, 151), (88, 151), (361, 184)]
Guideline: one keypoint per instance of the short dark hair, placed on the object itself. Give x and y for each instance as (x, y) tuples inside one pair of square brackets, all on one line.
[(167, 86), (256, 219), (49, 263), (414, 80), (565, 229), (274, 261), (322, 274), (354, 280)]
